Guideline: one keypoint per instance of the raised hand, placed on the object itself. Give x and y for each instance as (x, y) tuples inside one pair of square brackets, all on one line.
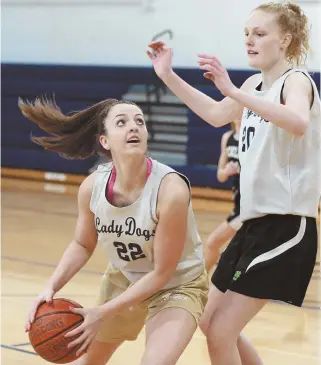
[(217, 73), (161, 57)]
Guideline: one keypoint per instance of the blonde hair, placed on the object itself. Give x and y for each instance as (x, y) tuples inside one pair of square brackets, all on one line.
[(291, 19)]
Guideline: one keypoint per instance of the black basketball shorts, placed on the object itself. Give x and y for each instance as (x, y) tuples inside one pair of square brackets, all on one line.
[(271, 257)]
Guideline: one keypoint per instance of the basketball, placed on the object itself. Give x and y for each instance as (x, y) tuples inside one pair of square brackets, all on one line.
[(52, 322)]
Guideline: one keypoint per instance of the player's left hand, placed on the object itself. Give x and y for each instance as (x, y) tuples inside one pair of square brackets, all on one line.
[(217, 73), (89, 327), (232, 168)]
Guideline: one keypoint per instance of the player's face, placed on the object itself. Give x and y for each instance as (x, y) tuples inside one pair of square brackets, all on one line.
[(126, 131), (263, 40)]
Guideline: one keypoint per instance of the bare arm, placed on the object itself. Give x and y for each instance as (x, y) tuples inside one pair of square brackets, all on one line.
[(76, 254), (216, 113), (83, 245), (169, 242), (221, 175), (293, 116)]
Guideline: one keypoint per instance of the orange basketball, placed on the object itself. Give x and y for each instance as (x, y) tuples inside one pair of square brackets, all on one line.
[(52, 322)]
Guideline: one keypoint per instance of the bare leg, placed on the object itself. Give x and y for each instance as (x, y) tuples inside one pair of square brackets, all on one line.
[(232, 314), (247, 352), (223, 233), (98, 353), (167, 335)]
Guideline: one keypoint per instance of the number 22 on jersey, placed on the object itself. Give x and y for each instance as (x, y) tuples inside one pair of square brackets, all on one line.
[(128, 253)]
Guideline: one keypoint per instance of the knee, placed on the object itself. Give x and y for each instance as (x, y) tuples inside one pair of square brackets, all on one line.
[(204, 325), (219, 338)]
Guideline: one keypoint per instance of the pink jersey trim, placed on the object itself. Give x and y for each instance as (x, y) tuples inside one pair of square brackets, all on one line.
[(111, 182)]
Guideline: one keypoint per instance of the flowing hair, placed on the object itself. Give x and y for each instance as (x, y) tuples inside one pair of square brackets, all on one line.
[(75, 136)]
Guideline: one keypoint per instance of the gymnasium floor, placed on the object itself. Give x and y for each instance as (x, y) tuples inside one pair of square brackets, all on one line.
[(38, 223)]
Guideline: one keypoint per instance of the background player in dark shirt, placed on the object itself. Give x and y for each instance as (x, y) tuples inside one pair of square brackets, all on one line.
[(228, 167)]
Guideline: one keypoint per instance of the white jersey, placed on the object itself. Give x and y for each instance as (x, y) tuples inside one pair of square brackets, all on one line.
[(127, 233), (280, 173)]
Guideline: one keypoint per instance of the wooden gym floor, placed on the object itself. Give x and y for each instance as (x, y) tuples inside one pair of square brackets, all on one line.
[(38, 221)]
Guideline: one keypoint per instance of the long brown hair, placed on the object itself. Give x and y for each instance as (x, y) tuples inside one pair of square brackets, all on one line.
[(74, 136)]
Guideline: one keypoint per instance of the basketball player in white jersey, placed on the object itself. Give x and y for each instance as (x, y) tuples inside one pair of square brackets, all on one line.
[(228, 167), (273, 255), (140, 213)]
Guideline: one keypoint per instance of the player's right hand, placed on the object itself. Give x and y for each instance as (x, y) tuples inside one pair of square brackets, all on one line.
[(45, 296), (161, 57)]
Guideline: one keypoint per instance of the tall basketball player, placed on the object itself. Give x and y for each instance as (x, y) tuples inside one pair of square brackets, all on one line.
[(273, 255), (139, 211), (228, 167)]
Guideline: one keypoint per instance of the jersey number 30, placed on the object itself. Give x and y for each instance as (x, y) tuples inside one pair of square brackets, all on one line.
[(132, 252), (248, 134)]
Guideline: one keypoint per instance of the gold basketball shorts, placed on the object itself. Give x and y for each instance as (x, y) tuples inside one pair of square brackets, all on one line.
[(128, 323)]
